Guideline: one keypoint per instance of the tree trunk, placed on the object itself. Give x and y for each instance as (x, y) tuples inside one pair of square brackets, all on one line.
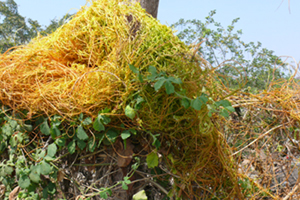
[(151, 6)]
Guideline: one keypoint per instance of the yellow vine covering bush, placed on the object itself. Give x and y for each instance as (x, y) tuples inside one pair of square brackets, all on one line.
[(83, 68)]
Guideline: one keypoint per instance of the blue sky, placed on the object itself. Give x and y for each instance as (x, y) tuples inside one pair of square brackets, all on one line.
[(260, 20)]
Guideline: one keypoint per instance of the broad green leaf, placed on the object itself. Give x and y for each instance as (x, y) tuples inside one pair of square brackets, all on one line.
[(185, 103), (8, 170), (81, 134), (44, 128), (230, 108), (175, 80), (24, 182), (98, 125), (134, 69), (55, 132), (60, 142), (203, 99), (52, 150), (152, 160), (104, 119), (224, 113), (159, 83), (81, 144), (45, 167), (125, 134), (103, 195), (197, 104), (13, 124), (7, 130), (72, 146), (129, 112), (169, 87), (153, 72), (35, 174), (111, 135), (224, 103), (124, 186), (87, 121)]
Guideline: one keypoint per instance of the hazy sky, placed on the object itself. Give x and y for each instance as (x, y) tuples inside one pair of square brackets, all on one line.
[(260, 20)]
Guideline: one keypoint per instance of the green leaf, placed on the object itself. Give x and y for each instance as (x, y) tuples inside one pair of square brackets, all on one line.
[(224, 113), (125, 134), (129, 112), (13, 124), (169, 87), (104, 119), (7, 170), (98, 125), (230, 108), (159, 83), (7, 130), (60, 142), (153, 72), (45, 167), (87, 121), (133, 69), (124, 186), (51, 188), (80, 117), (55, 132), (24, 182), (35, 174), (197, 104), (81, 134), (51, 150), (111, 135), (101, 137), (152, 160), (91, 145), (203, 99), (185, 103), (72, 146), (126, 180), (140, 77), (103, 195), (81, 144), (224, 103), (44, 127), (175, 80)]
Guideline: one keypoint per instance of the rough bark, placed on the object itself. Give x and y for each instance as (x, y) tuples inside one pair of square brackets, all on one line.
[(151, 6)]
